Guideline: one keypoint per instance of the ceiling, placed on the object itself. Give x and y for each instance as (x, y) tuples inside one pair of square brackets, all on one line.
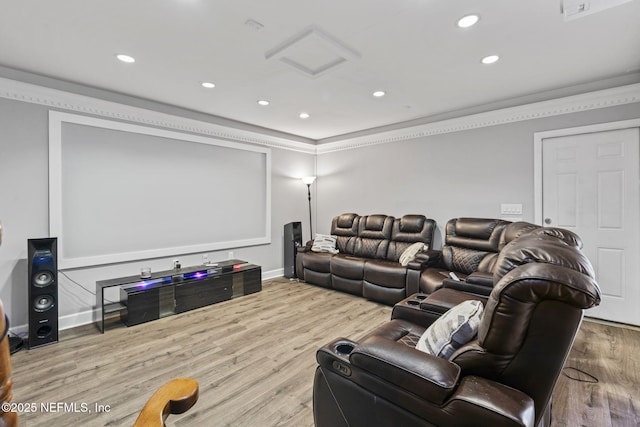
[(325, 57)]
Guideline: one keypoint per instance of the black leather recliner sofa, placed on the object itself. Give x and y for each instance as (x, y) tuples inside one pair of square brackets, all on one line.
[(367, 263), (470, 251), (542, 283)]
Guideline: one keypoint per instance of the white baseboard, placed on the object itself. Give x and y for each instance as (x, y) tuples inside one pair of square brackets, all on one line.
[(266, 275), (78, 319), (90, 316)]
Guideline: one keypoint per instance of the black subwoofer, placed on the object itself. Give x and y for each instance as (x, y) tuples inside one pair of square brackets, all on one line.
[(292, 239), (43, 291)]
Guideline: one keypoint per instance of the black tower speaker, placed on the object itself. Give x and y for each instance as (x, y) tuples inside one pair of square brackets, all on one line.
[(43, 291), (292, 239)]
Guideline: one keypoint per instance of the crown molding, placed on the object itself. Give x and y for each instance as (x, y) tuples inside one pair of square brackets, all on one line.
[(571, 104), (57, 99), (61, 100)]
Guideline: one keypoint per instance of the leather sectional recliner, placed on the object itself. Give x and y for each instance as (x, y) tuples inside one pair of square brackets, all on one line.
[(542, 283), (471, 246), (369, 248), (470, 251), (367, 263)]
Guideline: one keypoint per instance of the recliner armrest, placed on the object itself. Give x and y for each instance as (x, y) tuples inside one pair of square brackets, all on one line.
[(496, 404), (470, 287), (430, 377), (306, 248), (426, 259), (480, 278)]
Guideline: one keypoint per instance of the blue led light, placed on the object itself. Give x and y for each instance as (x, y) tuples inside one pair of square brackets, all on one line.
[(144, 283), (195, 275), (42, 256), (168, 279)]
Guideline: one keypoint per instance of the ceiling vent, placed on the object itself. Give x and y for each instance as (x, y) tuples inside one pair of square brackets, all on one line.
[(573, 9), (312, 52)]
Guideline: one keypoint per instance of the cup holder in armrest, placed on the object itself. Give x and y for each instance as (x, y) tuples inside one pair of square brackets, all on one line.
[(414, 300), (344, 348), (335, 356)]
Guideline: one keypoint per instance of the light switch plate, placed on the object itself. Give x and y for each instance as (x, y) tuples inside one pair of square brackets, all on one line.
[(511, 208)]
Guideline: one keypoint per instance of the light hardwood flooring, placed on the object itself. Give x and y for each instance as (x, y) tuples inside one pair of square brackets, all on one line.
[(611, 354), (254, 358)]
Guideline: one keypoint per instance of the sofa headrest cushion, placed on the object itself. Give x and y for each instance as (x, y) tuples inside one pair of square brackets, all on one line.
[(514, 230), (541, 248), (477, 228), (374, 222), (568, 237), (346, 220), (412, 223)]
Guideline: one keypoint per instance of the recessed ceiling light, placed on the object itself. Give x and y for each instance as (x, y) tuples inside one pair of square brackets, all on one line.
[(263, 102), (379, 93), (126, 58), (208, 85), (490, 59), (468, 21), (304, 115)]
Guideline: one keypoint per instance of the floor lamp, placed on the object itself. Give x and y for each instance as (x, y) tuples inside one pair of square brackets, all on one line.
[(308, 180)]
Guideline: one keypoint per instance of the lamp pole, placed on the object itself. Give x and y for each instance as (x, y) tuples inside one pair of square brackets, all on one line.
[(309, 196), (308, 181)]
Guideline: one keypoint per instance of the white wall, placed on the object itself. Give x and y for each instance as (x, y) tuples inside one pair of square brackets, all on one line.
[(464, 173), (460, 173), (24, 214)]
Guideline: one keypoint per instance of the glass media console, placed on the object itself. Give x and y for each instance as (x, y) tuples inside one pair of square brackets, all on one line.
[(176, 291)]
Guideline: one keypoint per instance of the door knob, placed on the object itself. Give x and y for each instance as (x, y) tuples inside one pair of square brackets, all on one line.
[(547, 220)]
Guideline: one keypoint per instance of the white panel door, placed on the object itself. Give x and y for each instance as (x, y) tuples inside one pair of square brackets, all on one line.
[(591, 185)]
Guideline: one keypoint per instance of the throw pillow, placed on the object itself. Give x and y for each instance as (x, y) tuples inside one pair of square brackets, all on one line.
[(452, 330), (324, 243), (410, 253)]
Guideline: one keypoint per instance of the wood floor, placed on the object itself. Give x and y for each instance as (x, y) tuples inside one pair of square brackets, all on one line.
[(611, 354), (254, 358)]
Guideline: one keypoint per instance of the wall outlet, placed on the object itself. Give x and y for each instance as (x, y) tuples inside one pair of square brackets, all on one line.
[(205, 259), (176, 264), (230, 255)]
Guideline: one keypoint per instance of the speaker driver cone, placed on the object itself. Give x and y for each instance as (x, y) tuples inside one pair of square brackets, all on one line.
[(43, 303), (43, 278)]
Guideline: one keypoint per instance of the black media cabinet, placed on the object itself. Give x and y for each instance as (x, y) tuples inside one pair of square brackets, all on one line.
[(175, 291)]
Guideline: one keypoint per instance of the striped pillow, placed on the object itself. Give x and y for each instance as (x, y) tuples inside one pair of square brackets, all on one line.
[(452, 330), (324, 243)]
